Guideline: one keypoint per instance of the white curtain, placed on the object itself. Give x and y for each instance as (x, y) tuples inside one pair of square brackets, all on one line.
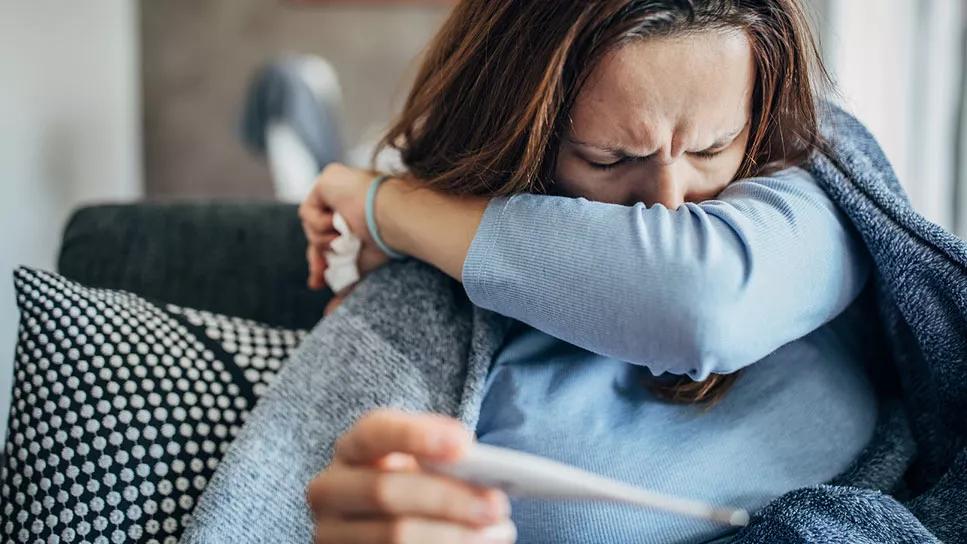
[(898, 65)]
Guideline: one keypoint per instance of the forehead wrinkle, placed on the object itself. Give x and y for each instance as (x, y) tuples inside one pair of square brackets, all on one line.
[(683, 138), (642, 139), (623, 137)]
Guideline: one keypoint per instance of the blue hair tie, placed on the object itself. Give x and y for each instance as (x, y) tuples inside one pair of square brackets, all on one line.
[(371, 219)]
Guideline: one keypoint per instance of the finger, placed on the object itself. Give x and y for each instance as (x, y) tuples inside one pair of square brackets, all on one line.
[(397, 462), (317, 268), (331, 306), (362, 491), (384, 431), (315, 196), (410, 531), (315, 217), (337, 299), (321, 240), (347, 290)]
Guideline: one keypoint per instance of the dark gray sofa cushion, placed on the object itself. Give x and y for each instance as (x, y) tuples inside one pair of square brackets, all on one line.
[(239, 259)]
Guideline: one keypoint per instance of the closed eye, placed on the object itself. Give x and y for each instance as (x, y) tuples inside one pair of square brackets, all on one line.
[(708, 155), (608, 165), (704, 155)]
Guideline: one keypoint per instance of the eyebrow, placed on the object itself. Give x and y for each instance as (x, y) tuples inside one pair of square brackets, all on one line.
[(625, 154)]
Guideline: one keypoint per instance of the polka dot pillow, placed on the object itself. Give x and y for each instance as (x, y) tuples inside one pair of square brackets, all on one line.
[(121, 410)]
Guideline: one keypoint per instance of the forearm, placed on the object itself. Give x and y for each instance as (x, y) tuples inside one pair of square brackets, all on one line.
[(428, 225), (705, 288)]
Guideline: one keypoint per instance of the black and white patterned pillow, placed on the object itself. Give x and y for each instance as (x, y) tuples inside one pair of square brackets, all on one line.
[(121, 410)]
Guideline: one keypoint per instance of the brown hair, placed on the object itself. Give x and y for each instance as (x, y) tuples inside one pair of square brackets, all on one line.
[(490, 102)]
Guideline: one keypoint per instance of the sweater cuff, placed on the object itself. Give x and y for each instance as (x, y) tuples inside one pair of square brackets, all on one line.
[(479, 266)]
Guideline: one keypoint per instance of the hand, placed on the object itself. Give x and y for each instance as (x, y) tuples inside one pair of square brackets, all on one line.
[(342, 189), (374, 490), (337, 300)]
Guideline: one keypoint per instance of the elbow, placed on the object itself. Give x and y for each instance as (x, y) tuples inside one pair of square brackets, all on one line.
[(719, 339), (717, 324)]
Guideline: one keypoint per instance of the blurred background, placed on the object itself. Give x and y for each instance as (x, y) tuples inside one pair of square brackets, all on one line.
[(120, 100)]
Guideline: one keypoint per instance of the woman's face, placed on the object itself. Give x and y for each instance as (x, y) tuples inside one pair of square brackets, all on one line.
[(661, 120)]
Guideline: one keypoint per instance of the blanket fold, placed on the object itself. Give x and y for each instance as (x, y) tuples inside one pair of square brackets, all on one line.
[(409, 338)]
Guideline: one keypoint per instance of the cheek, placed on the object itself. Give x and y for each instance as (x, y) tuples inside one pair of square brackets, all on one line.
[(709, 180), (565, 176), (713, 176), (572, 178)]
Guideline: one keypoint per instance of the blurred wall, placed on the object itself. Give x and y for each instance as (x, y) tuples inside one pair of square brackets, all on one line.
[(69, 102), (897, 66), (199, 55)]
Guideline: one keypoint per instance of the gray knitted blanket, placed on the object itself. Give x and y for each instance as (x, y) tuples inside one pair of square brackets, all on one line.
[(409, 338)]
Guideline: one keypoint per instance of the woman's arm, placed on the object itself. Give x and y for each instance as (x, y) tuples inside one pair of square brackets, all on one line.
[(433, 227), (709, 287)]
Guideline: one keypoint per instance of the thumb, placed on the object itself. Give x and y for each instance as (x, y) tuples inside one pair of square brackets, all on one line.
[(337, 299)]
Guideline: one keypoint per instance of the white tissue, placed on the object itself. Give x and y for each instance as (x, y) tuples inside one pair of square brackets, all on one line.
[(341, 259)]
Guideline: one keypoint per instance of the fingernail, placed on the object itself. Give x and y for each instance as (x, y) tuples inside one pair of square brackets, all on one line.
[(444, 443), (493, 507), (502, 532), (485, 511), (503, 504)]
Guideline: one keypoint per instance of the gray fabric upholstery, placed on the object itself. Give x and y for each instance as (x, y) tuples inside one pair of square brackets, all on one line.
[(239, 259)]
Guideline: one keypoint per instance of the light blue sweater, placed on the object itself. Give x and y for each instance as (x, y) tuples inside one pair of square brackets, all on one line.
[(710, 287)]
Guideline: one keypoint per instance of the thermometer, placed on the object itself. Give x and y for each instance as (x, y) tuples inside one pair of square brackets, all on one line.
[(524, 475)]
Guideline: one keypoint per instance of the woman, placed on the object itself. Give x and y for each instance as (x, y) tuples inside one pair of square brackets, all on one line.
[(584, 168)]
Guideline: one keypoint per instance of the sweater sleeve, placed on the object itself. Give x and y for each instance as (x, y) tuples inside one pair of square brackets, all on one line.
[(706, 288)]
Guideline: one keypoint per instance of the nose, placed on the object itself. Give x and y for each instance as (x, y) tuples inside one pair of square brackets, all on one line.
[(665, 184)]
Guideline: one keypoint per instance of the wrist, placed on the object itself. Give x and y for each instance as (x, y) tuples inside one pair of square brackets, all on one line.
[(429, 225), (390, 201), (372, 223)]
